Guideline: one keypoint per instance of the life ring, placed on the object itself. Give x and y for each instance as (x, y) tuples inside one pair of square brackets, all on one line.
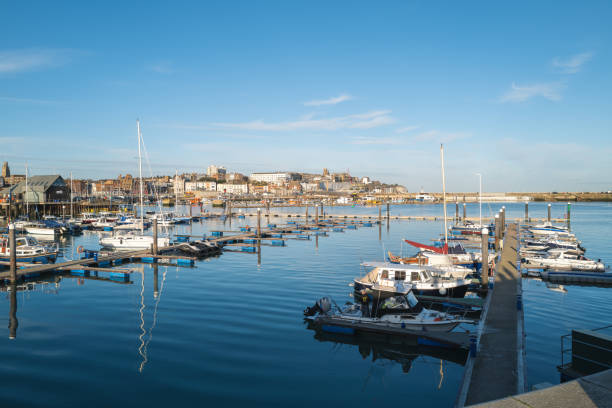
[(80, 249)]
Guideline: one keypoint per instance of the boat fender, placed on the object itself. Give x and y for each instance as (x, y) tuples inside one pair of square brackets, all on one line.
[(442, 291), (80, 249)]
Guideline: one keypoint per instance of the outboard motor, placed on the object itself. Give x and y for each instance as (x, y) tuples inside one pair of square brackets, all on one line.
[(322, 306)]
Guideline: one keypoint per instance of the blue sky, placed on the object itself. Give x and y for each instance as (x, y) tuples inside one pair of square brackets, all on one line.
[(519, 92)]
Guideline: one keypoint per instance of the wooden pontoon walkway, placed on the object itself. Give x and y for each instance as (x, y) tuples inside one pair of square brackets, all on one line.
[(498, 367)]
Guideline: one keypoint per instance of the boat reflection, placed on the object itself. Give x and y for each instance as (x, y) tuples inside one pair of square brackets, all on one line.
[(402, 350)]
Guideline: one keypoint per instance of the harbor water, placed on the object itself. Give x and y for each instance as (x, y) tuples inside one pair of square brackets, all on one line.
[(230, 330)]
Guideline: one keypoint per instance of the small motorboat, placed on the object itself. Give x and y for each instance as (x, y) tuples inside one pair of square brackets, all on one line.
[(564, 261), (402, 312), (29, 250)]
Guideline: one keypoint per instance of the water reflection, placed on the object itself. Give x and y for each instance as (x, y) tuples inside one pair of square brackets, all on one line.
[(13, 322), (381, 348)]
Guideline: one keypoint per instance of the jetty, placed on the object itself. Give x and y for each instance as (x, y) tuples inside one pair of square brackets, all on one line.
[(496, 366)]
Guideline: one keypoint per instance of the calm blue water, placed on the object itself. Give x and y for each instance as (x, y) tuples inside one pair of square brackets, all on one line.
[(230, 331)]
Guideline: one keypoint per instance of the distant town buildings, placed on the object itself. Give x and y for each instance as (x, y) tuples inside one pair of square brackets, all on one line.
[(274, 177)]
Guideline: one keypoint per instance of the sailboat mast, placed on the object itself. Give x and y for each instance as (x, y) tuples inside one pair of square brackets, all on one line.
[(480, 202), (71, 194), (140, 176), (444, 198), (26, 194), (176, 192)]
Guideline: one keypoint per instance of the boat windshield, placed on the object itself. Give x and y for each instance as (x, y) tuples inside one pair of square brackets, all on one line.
[(412, 300)]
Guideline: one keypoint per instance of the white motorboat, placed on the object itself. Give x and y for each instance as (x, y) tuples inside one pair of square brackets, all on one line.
[(548, 229), (133, 241), (103, 222), (423, 280), (28, 250), (398, 312), (564, 261)]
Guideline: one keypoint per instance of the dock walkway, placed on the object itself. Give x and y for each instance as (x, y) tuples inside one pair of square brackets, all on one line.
[(498, 369)]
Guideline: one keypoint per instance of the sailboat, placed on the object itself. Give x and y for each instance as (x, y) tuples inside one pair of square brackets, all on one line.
[(135, 240)]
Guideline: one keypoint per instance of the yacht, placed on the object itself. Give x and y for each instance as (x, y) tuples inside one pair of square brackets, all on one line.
[(28, 250), (422, 280)]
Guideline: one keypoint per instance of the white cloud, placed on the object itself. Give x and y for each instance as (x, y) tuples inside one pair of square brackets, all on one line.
[(365, 120), (547, 90), (29, 59), (406, 129), (572, 64), (331, 101), (426, 136)]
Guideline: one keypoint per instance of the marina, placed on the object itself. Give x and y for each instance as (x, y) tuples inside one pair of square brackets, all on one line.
[(235, 233)]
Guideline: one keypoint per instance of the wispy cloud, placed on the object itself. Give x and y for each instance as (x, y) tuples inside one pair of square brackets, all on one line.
[(27, 100), (572, 64), (547, 90), (162, 67), (14, 61), (365, 120), (331, 101), (406, 129)]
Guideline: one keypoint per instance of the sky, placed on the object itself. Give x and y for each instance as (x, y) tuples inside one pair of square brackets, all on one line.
[(519, 92)]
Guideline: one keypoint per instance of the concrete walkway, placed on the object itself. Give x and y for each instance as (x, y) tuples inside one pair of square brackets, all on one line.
[(496, 371), (586, 392)]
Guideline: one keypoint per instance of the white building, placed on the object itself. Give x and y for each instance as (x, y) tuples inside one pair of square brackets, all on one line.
[(233, 188), (179, 185), (214, 171), (366, 180), (308, 187), (274, 178), (191, 186)]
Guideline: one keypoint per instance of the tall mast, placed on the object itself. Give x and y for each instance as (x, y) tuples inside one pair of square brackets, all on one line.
[(71, 194), (480, 201), (444, 198), (176, 193), (26, 194), (140, 176)]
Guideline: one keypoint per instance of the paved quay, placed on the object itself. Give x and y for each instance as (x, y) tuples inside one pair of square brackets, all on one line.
[(586, 392)]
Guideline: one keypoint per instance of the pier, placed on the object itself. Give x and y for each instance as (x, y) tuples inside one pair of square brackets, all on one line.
[(496, 367)]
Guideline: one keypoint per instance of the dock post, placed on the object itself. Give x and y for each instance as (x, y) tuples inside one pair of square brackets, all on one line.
[(259, 223), (155, 281), (456, 211), (484, 251), (503, 219), (379, 214), (306, 223), (388, 215), (13, 249), (322, 212), (569, 211), (526, 211), (317, 214), (549, 205), (497, 228), (154, 236), (464, 211), (13, 322)]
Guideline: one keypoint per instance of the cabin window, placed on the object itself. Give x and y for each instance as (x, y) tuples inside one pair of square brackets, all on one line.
[(400, 275), (385, 274), (415, 277)]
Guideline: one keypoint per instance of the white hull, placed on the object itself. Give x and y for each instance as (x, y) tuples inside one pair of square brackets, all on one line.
[(133, 242), (41, 231)]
